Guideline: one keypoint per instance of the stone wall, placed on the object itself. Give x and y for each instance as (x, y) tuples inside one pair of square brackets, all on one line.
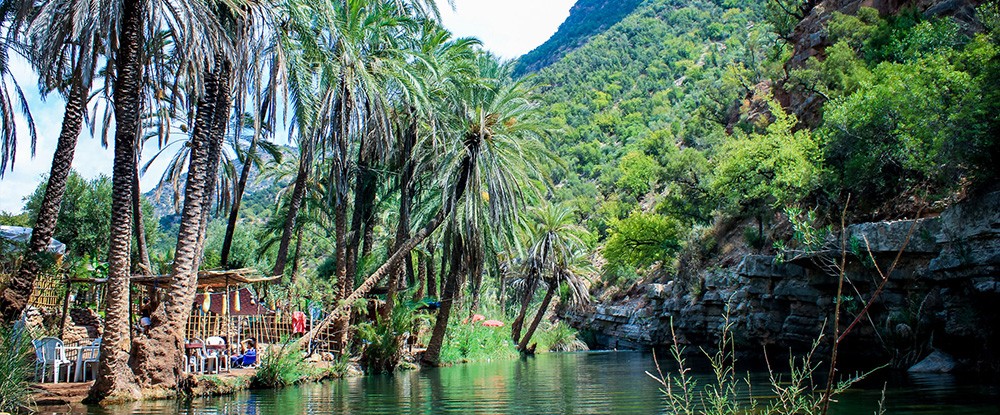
[(942, 295)]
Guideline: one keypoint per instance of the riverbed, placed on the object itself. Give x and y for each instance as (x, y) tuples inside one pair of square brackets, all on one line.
[(556, 383)]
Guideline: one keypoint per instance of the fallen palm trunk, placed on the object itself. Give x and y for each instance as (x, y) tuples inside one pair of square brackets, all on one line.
[(371, 281)]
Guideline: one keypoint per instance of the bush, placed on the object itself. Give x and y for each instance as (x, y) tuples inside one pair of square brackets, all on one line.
[(559, 337), (15, 368), (281, 366), (383, 342), (468, 342)]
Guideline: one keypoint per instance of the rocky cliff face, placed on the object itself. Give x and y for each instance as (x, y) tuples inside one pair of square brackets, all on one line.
[(942, 295), (810, 39)]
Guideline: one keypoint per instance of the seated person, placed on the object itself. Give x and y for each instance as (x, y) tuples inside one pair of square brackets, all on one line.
[(248, 355)]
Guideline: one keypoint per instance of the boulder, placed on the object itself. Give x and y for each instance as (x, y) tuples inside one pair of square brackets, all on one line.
[(936, 362)]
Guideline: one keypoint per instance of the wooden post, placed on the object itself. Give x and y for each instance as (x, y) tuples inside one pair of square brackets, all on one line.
[(65, 316)]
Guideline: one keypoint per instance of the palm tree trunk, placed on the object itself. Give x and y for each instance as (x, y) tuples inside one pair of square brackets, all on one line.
[(158, 359), (403, 227), (115, 380), (216, 134), (523, 345), (431, 281), (432, 357), (518, 324), (343, 284), (297, 256), (142, 250), (241, 185), (421, 277), (364, 199), (15, 296), (298, 194)]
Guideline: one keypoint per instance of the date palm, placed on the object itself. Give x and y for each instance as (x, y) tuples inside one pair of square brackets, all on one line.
[(63, 45), (496, 151), (553, 258), (13, 16), (197, 40)]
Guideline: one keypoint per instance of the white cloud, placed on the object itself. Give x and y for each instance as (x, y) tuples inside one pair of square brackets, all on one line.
[(509, 28)]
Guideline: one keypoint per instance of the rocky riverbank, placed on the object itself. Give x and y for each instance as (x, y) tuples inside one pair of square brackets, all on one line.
[(941, 298)]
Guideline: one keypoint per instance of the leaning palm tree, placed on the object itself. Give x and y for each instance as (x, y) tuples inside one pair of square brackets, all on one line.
[(552, 259), (63, 46)]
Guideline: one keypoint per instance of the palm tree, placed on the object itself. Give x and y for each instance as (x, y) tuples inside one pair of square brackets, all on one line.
[(498, 152), (116, 380), (13, 15), (194, 29), (63, 48), (552, 259)]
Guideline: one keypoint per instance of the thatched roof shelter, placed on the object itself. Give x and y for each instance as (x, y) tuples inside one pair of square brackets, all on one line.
[(210, 279)]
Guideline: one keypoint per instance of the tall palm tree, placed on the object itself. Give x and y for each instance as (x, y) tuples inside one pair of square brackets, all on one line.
[(116, 380), (63, 46), (498, 151), (194, 31)]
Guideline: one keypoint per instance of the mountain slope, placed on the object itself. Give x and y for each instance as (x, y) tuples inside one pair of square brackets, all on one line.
[(586, 19)]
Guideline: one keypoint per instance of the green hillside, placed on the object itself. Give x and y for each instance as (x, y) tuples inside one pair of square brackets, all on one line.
[(587, 18), (671, 129)]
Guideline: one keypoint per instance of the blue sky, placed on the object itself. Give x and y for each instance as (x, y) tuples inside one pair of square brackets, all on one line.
[(509, 28)]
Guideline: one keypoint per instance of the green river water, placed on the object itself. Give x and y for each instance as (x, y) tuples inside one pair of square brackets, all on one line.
[(559, 383)]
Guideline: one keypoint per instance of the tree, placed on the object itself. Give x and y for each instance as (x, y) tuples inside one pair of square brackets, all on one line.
[(500, 150), (553, 236), (116, 380), (63, 48), (757, 172), (642, 239)]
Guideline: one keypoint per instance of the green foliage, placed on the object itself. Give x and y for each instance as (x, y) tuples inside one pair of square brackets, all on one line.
[(637, 173), (10, 219), (761, 171), (281, 365), (643, 239), (640, 107), (84, 218), (558, 337), (16, 356), (472, 342), (920, 122), (597, 15), (383, 340)]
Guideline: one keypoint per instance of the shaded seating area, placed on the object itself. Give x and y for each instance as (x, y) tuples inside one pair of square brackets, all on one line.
[(226, 312), (55, 361)]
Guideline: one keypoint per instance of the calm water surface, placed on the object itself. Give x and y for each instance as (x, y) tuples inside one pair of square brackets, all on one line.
[(578, 383)]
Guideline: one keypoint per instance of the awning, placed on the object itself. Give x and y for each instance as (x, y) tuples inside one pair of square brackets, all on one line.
[(210, 279), (20, 235)]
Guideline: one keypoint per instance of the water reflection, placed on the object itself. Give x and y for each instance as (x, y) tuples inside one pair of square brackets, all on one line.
[(587, 383)]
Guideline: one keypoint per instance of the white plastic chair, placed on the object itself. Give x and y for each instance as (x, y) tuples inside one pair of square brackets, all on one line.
[(207, 358), (49, 352), (89, 356), (220, 355)]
